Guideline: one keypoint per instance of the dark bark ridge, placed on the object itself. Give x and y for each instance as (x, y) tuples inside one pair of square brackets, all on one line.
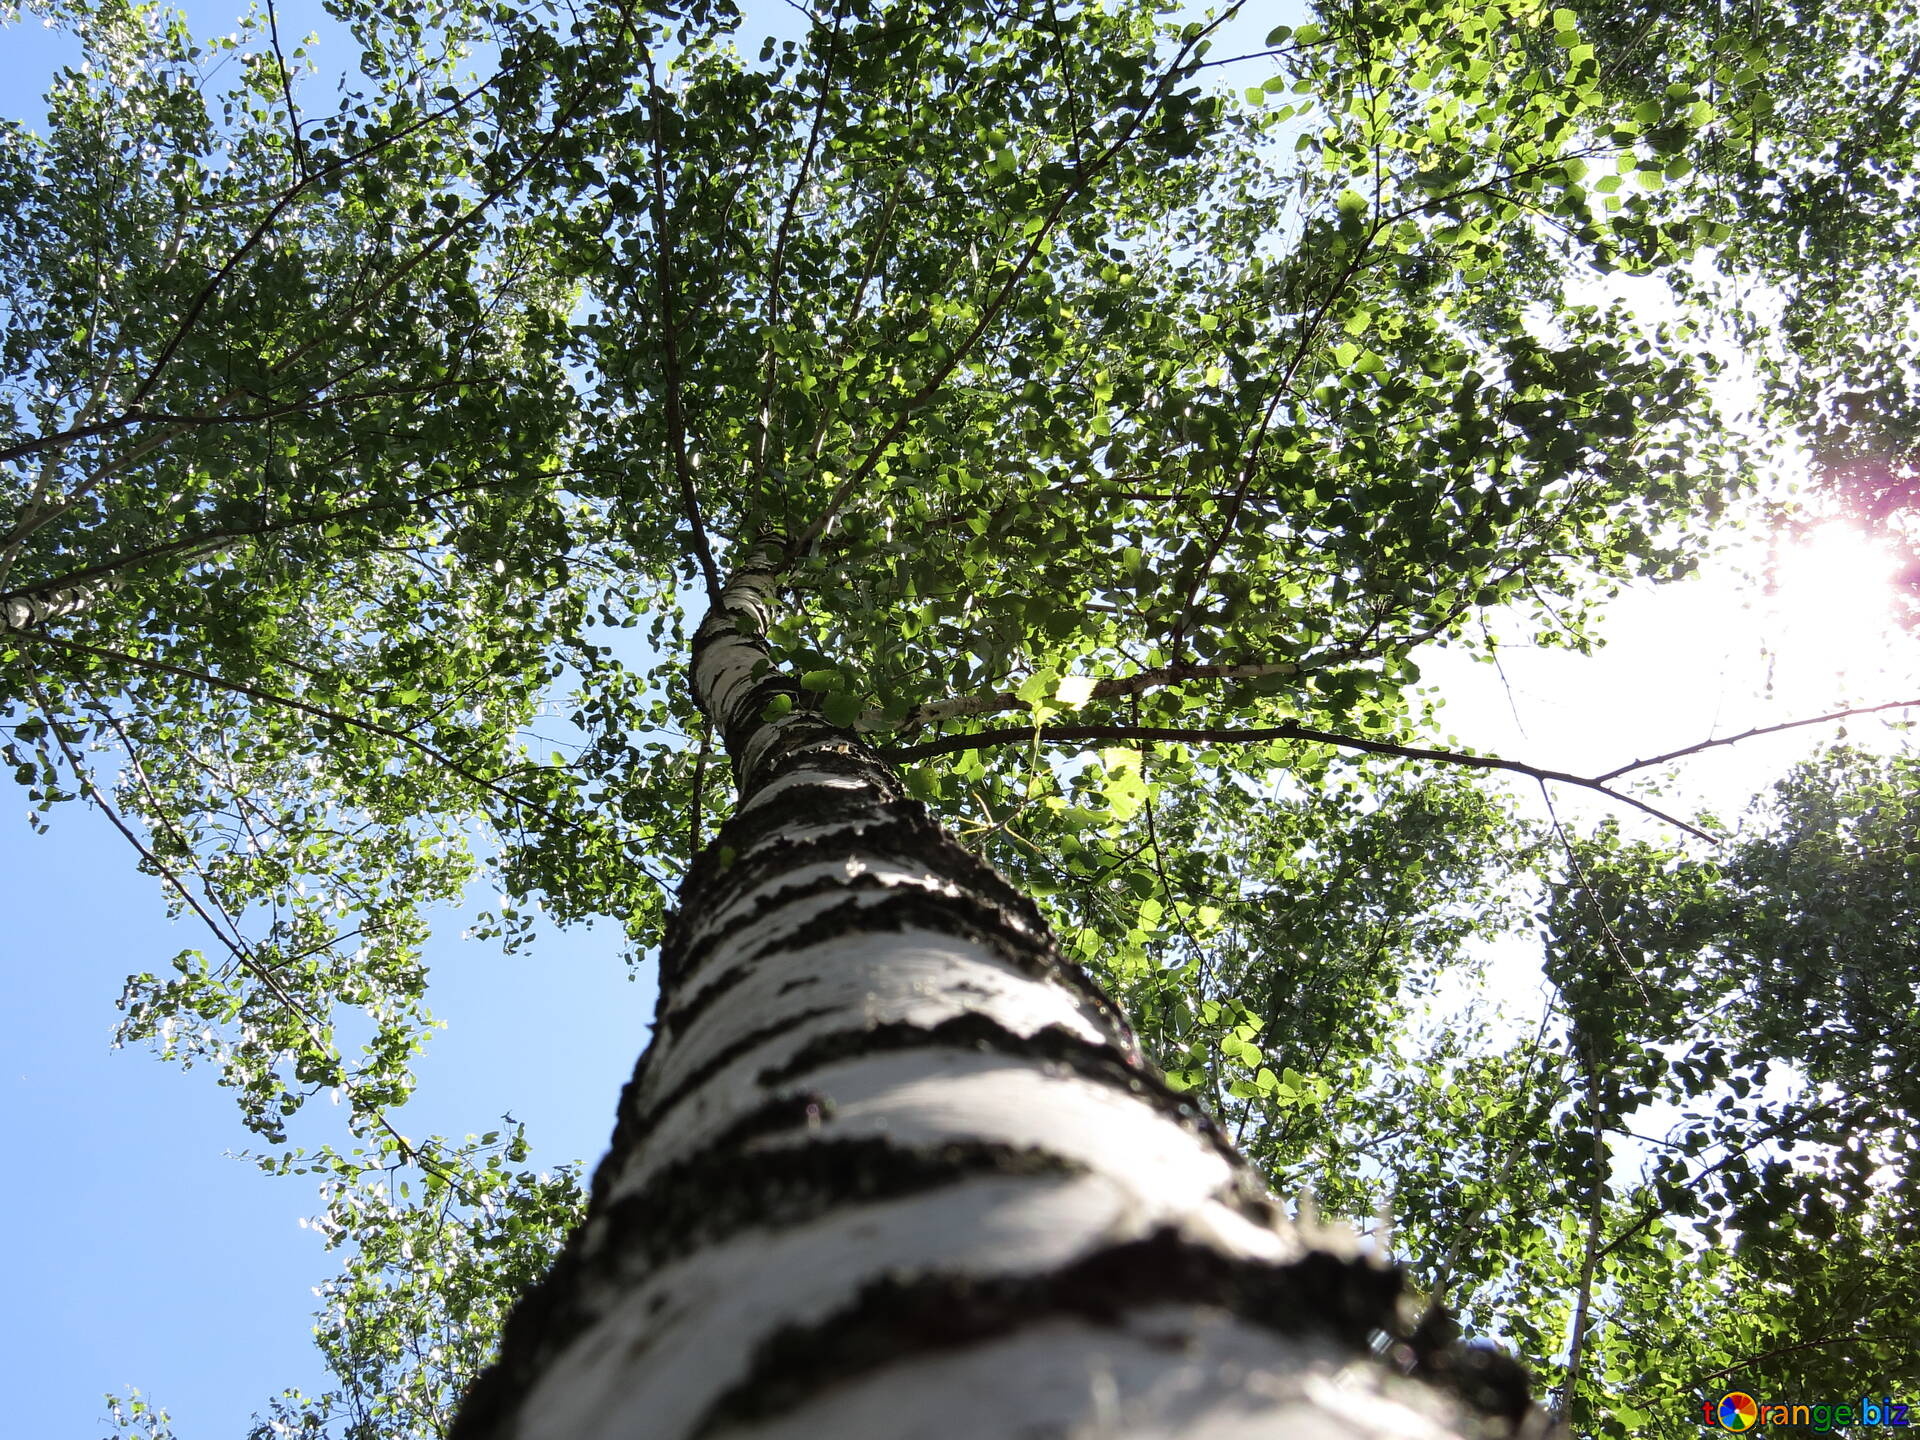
[(1102, 1064), (898, 1316)]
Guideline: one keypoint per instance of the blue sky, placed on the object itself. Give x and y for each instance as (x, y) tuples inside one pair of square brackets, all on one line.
[(144, 1255)]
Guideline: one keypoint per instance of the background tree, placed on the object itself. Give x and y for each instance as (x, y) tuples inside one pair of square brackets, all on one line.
[(284, 430), (1786, 1128)]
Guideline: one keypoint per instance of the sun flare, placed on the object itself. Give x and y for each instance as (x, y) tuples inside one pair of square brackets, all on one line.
[(1829, 600)]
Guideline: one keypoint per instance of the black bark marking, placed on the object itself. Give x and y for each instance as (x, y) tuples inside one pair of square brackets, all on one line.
[(681, 1017), (750, 851), (1487, 1380), (707, 1198), (1347, 1300), (990, 910), (900, 907), (1105, 1064), (694, 955), (751, 705), (702, 1201), (901, 824), (806, 738), (646, 1123), (757, 840)]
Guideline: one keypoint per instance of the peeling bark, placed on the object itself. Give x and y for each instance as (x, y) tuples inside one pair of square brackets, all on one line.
[(894, 1167)]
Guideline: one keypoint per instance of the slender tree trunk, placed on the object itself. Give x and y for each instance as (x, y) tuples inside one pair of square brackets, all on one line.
[(893, 1168), (25, 609)]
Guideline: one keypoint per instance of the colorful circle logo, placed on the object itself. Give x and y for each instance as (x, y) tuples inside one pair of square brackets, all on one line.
[(1738, 1411)]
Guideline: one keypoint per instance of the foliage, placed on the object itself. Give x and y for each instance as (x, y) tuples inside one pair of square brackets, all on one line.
[(1805, 185), (276, 414), (1735, 1028), (136, 1415), (428, 1279)]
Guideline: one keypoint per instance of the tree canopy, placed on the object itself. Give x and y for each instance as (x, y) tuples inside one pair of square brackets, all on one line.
[(1130, 416)]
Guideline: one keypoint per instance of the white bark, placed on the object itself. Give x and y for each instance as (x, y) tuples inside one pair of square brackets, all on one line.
[(893, 1168), (26, 609)]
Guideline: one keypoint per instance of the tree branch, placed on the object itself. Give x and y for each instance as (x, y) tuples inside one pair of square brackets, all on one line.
[(764, 411), (990, 312), (1653, 1212), (321, 712), (265, 224), (289, 702), (1250, 453), (669, 341), (140, 415), (982, 739), (235, 942), (1685, 750), (1747, 1361), (286, 90), (213, 539), (936, 711), (26, 609), (323, 331)]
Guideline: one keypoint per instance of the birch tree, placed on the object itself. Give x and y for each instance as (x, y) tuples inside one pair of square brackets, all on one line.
[(892, 1165)]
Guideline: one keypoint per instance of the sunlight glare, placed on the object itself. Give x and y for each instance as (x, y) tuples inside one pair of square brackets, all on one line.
[(1829, 602)]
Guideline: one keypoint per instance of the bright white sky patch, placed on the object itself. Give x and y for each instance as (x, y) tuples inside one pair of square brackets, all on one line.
[(1711, 656), (1828, 608), (1723, 652)]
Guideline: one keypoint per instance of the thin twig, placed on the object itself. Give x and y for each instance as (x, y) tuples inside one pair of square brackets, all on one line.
[(268, 697), (1580, 873), (764, 411), (323, 333), (1685, 750), (1748, 1361), (286, 90), (990, 312), (209, 540)]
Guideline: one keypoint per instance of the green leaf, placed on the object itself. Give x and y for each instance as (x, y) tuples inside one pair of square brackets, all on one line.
[(1074, 691), (841, 708)]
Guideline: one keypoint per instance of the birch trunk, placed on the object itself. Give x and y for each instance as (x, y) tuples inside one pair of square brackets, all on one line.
[(892, 1167), (26, 609)]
